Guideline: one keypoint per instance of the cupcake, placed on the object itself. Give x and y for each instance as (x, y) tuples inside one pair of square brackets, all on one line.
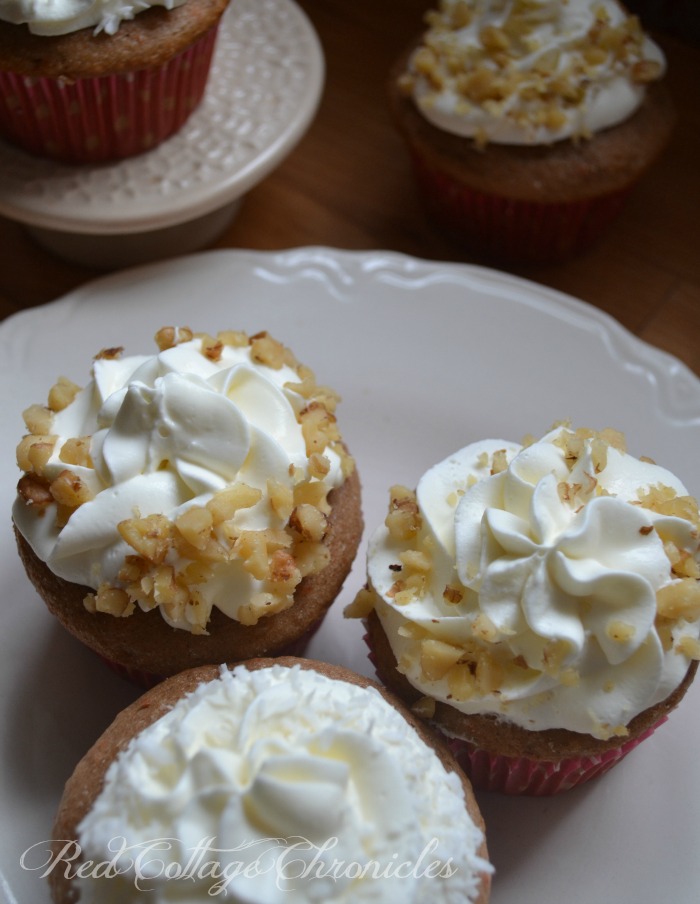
[(93, 81), (539, 604), (529, 121), (190, 507), (274, 781)]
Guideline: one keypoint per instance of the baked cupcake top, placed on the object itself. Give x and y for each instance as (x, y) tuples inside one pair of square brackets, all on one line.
[(530, 71), (194, 478), (553, 583), (60, 17), (297, 786)]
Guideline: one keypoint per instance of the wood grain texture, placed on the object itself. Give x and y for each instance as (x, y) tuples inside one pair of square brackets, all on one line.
[(348, 185)]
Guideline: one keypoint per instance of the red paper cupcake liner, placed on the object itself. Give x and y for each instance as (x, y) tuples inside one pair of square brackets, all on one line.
[(537, 778), (510, 229), (146, 679), (107, 118)]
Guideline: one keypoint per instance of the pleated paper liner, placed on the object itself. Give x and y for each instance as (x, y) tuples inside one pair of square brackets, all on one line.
[(520, 775), (511, 230), (106, 118)]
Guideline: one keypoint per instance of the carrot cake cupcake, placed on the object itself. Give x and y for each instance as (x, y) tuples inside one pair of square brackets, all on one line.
[(188, 507), (93, 81), (528, 121), (540, 603), (275, 781)]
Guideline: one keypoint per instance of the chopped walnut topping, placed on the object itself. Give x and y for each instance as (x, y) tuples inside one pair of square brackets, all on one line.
[(62, 394), (504, 70), (553, 656), (666, 501), (408, 589), (34, 491), (283, 568), (499, 462), (68, 489), (362, 605), (404, 520), (251, 548), (224, 504), (319, 466), (281, 499), (170, 336), (680, 599), (311, 558), (150, 537), (195, 524), (416, 560), (489, 674), (689, 647), (452, 595), (461, 682), (110, 600), (109, 354), (574, 444), (38, 419), (266, 350), (318, 427), (310, 523), (619, 631), (33, 453), (210, 550), (683, 564), (76, 451), (437, 658), (233, 338), (312, 492), (211, 348)]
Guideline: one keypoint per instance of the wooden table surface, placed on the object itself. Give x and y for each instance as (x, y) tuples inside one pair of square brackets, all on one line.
[(347, 184)]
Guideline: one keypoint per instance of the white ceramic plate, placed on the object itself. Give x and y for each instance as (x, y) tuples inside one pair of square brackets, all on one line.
[(427, 357), (264, 86)]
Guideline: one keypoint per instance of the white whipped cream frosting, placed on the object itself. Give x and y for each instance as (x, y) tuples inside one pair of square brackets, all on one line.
[(169, 431), (60, 17), (276, 774), (554, 577), (609, 95)]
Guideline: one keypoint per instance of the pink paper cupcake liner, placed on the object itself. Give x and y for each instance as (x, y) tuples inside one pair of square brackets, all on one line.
[(510, 229), (147, 679), (537, 778), (107, 118)]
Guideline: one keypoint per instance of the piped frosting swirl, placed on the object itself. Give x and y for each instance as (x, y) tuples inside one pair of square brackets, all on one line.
[(555, 584)]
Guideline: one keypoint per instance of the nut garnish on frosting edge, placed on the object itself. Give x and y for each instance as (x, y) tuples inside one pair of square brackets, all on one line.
[(530, 71), (268, 531)]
